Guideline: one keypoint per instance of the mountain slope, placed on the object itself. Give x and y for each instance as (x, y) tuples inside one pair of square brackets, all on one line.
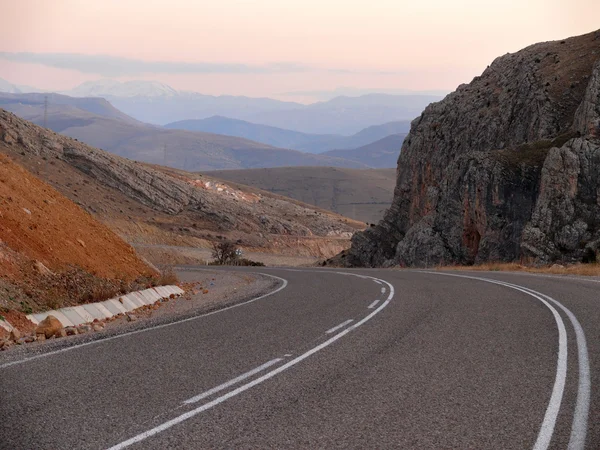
[(113, 88), (32, 105), (160, 206), (379, 154), (347, 115), (157, 103), (116, 132), (52, 253), (279, 137), (505, 168), (359, 194), (162, 109)]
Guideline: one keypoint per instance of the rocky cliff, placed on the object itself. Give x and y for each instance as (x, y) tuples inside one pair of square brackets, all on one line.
[(505, 168)]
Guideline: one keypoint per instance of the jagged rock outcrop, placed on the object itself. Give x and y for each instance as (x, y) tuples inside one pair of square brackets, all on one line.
[(504, 168)]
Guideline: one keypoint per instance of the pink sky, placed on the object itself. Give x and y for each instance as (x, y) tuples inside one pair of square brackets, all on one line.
[(435, 44)]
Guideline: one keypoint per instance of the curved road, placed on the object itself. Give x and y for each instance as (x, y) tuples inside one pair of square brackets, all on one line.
[(333, 359)]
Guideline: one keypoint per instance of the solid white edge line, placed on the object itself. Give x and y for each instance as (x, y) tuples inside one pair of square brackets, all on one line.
[(372, 305), (341, 325), (130, 333), (268, 375), (582, 403), (231, 382), (547, 428)]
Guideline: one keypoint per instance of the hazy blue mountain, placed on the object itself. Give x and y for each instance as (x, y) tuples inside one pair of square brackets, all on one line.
[(113, 88), (379, 154), (347, 115), (6, 86), (157, 103), (96, 122), (24, 105), (325, 95), (279, 137)]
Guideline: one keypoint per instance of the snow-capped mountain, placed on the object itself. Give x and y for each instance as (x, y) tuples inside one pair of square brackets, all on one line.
[(5, 86), (126, 89)]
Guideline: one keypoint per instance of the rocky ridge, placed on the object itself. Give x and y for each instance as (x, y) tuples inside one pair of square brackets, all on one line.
[(175, 207), (505, 168)]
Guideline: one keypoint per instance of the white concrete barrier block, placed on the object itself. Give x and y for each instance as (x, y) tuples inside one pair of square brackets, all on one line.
[(6, 325), (148, 297), (85, 315), (97, 311), (62, 318), (114, 306), (127, 303), (32, 318), (152, 294), (162, 291), (38, 317), (135, 299), (73, 316)]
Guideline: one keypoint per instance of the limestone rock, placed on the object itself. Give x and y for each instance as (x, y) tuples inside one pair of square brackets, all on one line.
[(503, 169), (15, 335), (49, 326)]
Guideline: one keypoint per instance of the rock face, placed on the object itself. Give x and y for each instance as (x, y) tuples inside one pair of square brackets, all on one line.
[(504, 168)]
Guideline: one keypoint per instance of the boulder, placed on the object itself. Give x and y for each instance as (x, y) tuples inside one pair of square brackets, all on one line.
[(49, 326)]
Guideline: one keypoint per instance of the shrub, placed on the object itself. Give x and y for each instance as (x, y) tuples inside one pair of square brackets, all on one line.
[(224, 252)]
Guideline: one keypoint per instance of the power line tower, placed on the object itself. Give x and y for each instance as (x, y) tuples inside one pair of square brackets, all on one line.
[(45, 111)]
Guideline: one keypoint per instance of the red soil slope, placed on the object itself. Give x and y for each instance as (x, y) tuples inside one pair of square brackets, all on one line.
[(82, 258)]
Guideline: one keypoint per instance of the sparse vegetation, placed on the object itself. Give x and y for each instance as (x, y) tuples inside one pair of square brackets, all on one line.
[(168, 277), (534, 153), (224, 252)]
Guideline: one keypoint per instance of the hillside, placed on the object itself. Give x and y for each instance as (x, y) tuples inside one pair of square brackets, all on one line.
[(150, 207), (347, 115), (362, 195), (53, 253), (95, 122), (506, 168), (379, 154), (160, 104), (279, 137), (31, 106)]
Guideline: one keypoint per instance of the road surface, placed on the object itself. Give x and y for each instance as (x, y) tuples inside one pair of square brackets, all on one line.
[(333, 359)]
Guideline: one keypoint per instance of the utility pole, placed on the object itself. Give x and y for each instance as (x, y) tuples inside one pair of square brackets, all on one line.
[(46, 126), (165, 155)]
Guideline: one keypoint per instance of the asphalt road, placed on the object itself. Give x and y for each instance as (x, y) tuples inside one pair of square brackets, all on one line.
[(360, 359)]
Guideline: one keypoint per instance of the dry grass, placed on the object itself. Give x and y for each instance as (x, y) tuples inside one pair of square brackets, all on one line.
[(575, 269), (167, 278)]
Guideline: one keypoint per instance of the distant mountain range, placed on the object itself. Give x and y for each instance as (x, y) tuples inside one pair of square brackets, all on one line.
[(5, 86), (157, 103), (279, 137), (127, 89), (97, 123), (379, 154)]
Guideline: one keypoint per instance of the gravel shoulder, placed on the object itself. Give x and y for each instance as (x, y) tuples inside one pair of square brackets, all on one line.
[(206, 291)]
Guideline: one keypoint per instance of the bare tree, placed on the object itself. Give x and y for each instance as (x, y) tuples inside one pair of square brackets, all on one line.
[(224, 252)]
